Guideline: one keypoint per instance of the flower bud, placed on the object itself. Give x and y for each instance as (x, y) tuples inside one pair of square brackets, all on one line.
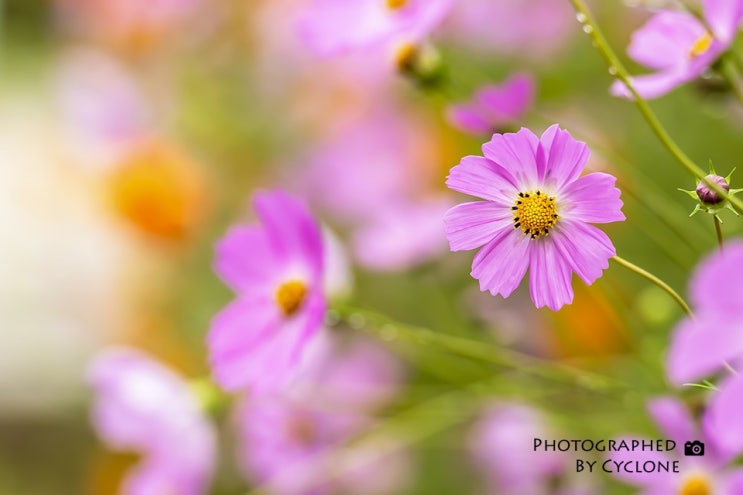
[(707, 195)]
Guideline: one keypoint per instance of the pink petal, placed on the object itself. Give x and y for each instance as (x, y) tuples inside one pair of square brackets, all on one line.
[(502, 263), (654, 481), (292, 232), (723, 417), (654, 85), (245, 261), (510, 100), (470, 225), (550, 277), (673, 419), (563, 157), (583, 248), (517, 154), (468, 118), (665, 40), (717, 283), (478, 176), (724, 17), (592, 198), (241, 325), (701, 347)]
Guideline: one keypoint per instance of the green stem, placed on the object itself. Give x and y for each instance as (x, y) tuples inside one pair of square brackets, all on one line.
[(652, 278), (718, 229), (389, 330), (617, 68), (730, 73)]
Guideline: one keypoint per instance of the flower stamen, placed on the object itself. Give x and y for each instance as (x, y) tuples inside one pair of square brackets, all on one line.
[(696, 485), (290, 296), (701, 45), (396, 4), (535, 213)]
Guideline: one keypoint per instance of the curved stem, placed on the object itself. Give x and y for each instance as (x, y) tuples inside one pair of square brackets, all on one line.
[(617, 68), (718, 229), (652, 278), (389, 330)]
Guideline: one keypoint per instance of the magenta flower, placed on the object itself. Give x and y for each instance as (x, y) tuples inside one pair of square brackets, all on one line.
[(680, 46), (502, 446), (333, 27), (494, 107), (702, 346), (706, 474), (276, 269), (145, 407), (537, 215)]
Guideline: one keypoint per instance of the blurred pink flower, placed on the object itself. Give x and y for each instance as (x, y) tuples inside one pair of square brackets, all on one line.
[(494, 107), (277, 271), (535, 29), (294, 444), (701, 346), (333, 27), (680, 46), (384, 173), (697, 474), (537, 215), (502, 444), (142, 406), (722, 418)]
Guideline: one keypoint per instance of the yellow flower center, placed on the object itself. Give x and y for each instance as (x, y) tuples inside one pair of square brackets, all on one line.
[(396, 4), (701, 45), (406, 55), (290, 296), (695, 485), (534, 213)]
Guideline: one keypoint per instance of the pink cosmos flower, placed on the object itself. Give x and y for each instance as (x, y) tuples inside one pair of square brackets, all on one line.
[(702, 346), (494, 107), (292, 444), (680, 46), (537, 215), (709, 473), (723, 417), (502, 445), (277, 271), (143, 406), (333, 27)]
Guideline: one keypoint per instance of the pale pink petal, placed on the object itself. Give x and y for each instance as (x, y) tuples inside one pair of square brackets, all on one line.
[(470, 225), (657, 482), (700, 347), (242, 325), (468, 118), (517, 153), (478, 176), (502, 263), (563, 158), (717, 283), (582, 247), (665, 40), (509, 100), (654, 85), (722, 420), (673, 419), (592, 198), (724, 17), (245, 261), (550, 277), (292, 232)]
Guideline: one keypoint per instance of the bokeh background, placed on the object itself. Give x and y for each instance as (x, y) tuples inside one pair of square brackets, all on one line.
[(133, 133)]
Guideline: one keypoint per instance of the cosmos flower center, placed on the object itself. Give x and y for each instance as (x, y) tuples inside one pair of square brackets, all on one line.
[(696, 485), (396, 4), (290, 296), (701, 45), (535, 213)]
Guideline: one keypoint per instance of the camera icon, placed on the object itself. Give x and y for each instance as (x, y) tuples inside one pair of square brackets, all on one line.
[(695, 448)]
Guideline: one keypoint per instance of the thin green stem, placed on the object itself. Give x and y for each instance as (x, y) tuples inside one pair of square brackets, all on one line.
[(652, 278), (718, 229), (617, 68), (389, 330), (731, 75)]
